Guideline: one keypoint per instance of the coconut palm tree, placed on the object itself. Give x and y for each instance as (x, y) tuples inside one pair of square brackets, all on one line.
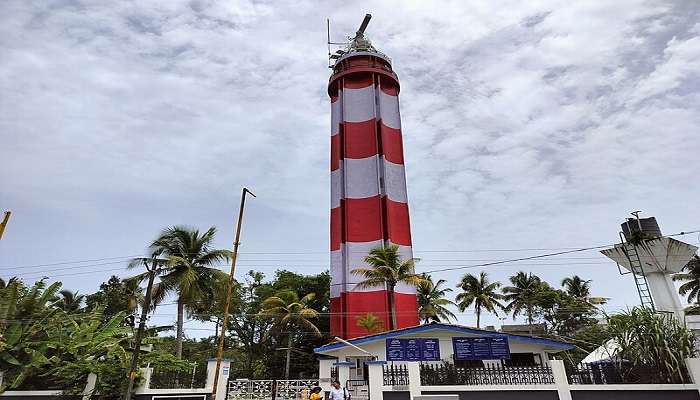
[(289, 312), (387, 270), (480, 292), (134, 294), (432, 301), (70, 302), (370, 322), (188, 272), (577, 288), (522, 296), (691, 277)]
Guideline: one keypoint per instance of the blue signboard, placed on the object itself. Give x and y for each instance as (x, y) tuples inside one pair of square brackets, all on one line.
[(481, 348), (395, 350), (463, 348), (412, 349), (499, 348), (430, 350)]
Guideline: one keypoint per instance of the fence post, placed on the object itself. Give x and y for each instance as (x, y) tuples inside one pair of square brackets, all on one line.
[(90, 386), (693, 365), (376, 379), (223, 376), (560, 379), (324, 373), (145, 382), (413, 378), (343, 371)]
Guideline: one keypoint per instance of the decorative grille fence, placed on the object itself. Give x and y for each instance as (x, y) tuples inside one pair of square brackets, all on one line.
[(623, 373), (268, 389), (395, 375), (194, 378), (358, 389), (250, 390), (294, 389), (448, 374)]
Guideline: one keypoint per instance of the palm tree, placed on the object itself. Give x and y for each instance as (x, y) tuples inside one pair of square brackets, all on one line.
[(291, 312), (691, 276), (432, 301), (70, 302), (522, 296), (387, 269), (370, 322), (188, 273), (134, 294), (577, 288), (480, 292)]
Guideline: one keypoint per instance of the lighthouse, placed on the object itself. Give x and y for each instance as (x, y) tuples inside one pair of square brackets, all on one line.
[(369, 202)]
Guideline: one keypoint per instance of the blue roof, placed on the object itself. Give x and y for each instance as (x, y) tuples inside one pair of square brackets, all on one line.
[(556, 344)]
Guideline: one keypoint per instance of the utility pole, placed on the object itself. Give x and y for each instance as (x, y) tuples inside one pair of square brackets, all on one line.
[(3, 224), (229, 292), (152, 270)]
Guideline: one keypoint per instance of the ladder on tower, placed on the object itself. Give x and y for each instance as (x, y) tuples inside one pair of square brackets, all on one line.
[(640, 279)]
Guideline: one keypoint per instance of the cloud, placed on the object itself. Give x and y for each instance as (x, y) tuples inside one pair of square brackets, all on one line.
[(526, 124)]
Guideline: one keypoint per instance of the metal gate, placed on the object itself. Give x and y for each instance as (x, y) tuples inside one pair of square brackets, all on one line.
[(358, 389), (270, 389)]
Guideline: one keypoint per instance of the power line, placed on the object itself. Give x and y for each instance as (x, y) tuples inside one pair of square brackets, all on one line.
[(449, 268)]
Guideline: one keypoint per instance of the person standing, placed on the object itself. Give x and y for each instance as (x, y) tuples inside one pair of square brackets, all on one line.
[(338, 392), (316, 394)]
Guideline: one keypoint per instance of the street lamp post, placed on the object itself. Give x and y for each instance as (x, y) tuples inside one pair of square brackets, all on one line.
[(229, 291)]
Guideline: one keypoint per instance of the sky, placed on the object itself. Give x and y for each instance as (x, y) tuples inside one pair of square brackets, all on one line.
[(529, 127)]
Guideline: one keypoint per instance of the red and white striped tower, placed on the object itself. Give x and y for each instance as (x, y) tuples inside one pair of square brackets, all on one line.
[(368, 186)]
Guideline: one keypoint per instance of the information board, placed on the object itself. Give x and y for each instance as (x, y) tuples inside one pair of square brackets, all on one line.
[(395, 350), (431, 350), (481, 348), (418, 349)]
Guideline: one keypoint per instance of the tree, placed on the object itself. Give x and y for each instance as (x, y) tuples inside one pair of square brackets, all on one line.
[(522, 296), (387, 270), (210, 307), (115, 296), (577, 287), (70, 301), (188, 273), (370, 322), (562, 313), (289, 312), (432, 301), (691, 277), (44, 347), (480, 292), (248, 328)]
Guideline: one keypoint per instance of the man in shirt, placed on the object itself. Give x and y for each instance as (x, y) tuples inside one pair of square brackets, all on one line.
[(338, 392)]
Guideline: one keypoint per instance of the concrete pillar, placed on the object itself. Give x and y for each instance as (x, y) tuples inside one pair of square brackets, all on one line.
[(343, 371), (665, 295), (693, 365), (376, 379), (413, 378), (324, 374), (223, 376), (90, 387), (560, 379), (145, 381)]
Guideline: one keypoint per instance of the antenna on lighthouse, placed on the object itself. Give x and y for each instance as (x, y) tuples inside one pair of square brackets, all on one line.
[(363, 25), (357, 43)]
